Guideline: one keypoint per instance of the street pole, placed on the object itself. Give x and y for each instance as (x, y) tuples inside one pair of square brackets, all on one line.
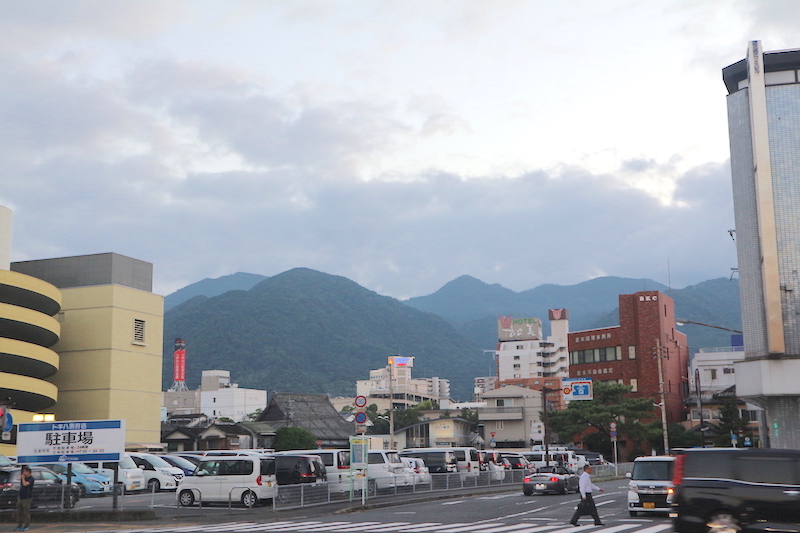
[(697, 391), (544, 420), (663, 396), (391, 403)]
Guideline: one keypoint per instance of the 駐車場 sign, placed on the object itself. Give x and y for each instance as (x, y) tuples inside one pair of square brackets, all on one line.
[(78, 440)]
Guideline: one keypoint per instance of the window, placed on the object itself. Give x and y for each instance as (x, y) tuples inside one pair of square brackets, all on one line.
[(516, 358), (631, 352), (498, 424), (727, 370), (501, 403), (634, 385), (516, 366), (520, 346), (138, 331), (711, 373)]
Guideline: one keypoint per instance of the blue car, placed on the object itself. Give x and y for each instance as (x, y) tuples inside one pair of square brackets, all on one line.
[(89, 481), (182, 463)]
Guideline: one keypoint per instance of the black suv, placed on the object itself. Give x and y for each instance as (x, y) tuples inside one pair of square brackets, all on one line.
[(726, 490)]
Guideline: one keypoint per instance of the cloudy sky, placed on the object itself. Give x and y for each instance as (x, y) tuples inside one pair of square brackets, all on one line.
[(398, 143)]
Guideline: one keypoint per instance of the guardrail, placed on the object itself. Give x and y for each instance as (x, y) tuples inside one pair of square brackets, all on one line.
[(249, 498)]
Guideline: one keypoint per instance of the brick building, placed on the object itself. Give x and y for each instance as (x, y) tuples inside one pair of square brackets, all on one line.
[(628, 353)]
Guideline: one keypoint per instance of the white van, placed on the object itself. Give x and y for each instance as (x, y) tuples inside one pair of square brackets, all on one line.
[(650, 484), (438, 460), (469, 461), (558, 457), (337, 466), (158, 474), (130, 476), (386, 468), (241, 478)]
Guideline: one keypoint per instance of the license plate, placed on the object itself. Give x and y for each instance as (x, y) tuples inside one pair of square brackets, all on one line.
[(540, 486), (649, 505)]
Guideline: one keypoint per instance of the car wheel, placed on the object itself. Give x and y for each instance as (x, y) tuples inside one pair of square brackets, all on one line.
[(723, 523), (153, 485), (527, 492), (563, 490), (633, 513), (186, 498), (81, 490), (249, 498), (70, 503), (283, 496)]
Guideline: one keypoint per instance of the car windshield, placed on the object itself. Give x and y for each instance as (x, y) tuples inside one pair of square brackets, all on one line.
[(157, 461), (127, 462), (4, 462), (652, 471), (80, 468), (180, 462)]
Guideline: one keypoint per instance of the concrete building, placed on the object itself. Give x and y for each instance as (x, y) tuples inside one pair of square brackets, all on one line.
[(764, 127), (629, 353), (219, 398), (483, 384), (406, 391), (110, 344), (510, 415), (523, 353)]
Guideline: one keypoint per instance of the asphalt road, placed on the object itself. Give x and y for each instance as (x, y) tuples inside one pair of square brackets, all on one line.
[(488, 511)]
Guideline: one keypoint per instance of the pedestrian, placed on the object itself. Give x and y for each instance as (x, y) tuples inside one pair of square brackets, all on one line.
[(586, 505), (24, 499)]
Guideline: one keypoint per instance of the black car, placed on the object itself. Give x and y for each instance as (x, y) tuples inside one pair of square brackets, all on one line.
[(47, 488), (294, 469), (730, 490)]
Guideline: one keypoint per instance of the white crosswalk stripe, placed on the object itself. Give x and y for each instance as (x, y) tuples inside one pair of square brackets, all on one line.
[(316, 526)]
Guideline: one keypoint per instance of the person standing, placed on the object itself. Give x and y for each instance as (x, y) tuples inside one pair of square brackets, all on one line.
[(586, 505), (24, 499)]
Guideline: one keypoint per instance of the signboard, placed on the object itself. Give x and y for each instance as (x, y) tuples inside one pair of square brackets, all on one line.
[(396, 360), (79, 440), (359, 448), (9, 422), (361, 401), (518, 329), (537, 431), (577, 388)]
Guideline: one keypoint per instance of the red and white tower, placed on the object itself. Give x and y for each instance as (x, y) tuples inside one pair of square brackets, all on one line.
[(179, 366)]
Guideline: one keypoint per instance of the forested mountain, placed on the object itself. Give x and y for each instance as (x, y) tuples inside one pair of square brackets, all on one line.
[(305, 331), (213, 287)]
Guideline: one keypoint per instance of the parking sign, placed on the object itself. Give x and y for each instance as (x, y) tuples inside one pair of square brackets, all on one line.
[(577, 388)]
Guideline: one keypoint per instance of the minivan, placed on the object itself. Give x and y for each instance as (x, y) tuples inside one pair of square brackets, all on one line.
[(245, 479), (727, 490), (129, 476), (650, 484), (337, 466), (438, 460), (158, 474), (386, 468)]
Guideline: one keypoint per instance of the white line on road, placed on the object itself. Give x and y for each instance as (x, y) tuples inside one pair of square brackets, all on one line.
[(388, 526), (433, 528), (472, 527), (453, 503), (511, 528), (598, 504), (655, 529)]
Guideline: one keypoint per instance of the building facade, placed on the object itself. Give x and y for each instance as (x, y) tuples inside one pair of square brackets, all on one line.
[(404, 390), (110, 347), (524, 354), (510, 417), (629, 353), (764, 127)]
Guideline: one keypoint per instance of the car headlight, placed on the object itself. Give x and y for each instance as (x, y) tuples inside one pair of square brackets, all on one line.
[(633, 487)]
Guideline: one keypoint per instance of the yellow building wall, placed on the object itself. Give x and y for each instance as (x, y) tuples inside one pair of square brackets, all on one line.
[(104, 374)]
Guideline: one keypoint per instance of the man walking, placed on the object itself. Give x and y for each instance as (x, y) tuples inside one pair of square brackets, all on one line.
[(24, 499), (586, 505)]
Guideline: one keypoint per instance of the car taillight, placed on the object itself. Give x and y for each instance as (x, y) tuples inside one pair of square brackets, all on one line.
[(258, 481), (345, 467), (677, 476), (308, 475), (554, 479), (417, 470), (6, 485), (527, 480), (469, 467)]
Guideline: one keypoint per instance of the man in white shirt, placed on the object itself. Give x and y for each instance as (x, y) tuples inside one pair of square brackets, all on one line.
[(586, 505)]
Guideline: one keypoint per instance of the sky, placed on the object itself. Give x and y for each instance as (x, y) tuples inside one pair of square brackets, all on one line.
[(400, 144)]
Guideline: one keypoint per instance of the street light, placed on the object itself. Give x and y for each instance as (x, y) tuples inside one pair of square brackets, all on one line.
[(682, 322)]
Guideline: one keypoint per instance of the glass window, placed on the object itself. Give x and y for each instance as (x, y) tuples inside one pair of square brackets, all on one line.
[(761, 469), (631, 352)]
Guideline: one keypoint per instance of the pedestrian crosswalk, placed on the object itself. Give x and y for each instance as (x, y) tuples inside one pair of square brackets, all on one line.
[(317, 526)]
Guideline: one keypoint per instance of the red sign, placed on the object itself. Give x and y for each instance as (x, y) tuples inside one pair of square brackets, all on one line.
[(493, 434)]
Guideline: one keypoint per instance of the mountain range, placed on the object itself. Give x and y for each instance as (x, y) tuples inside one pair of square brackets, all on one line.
[(307, 331)]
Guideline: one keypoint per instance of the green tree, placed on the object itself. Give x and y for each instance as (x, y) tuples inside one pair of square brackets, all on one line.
[(294, 438), (472, 416), (610, 404), (253, 417), (729, 422)]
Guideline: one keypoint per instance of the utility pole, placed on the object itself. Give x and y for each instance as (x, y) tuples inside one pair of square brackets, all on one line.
[(663, 396), (391, 403)]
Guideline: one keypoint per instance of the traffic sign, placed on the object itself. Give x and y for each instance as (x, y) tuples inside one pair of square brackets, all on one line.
[(577, 388), (9, 422), (613, 425), (493, 434), (361, 401), (361, 417)]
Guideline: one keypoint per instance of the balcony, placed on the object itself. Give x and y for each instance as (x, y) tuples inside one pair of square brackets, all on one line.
[(500, 413)]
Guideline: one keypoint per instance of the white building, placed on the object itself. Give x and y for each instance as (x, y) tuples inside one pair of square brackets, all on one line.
[(216, 398), (406, 391), (523, 353)]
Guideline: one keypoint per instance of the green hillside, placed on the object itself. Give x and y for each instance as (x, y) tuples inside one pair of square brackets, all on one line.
[(305, 331)]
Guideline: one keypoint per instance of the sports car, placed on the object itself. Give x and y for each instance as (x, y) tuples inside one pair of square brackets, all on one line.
[(553, 479)]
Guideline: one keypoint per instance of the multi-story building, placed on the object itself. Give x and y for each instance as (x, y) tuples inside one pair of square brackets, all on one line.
[(510, 415), (110, 344), (764, 127), (629, 353), (483, 384), (216, 398), (405, 390)]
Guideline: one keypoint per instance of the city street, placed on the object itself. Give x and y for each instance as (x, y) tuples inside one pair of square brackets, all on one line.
[(499, 512)]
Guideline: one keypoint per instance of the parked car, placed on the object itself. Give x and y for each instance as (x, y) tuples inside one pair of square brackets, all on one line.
[(728, 490), (438, 460), (650, 484), (417, 469), (5, 462), (129, 476), (337, 466), (517, 460), (88, 480), (492, 462), (194, 458), (552, 479), (180, 462), (47, 488), (245, 479), (158, 474), (293, 469), (386, 468)]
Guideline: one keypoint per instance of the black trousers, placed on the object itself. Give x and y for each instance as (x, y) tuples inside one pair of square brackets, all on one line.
[(586, 507)]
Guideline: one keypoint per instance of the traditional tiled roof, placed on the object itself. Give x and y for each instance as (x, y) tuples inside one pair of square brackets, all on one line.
[(313, 412)]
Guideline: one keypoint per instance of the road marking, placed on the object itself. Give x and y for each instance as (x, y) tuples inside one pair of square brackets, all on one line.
[(453, 503), (498, 497), (472, 527), (382, 526), (603, 503), (413, 527), (511, 528), (335, 526), (655, 529), (283, 526), (434, 528)]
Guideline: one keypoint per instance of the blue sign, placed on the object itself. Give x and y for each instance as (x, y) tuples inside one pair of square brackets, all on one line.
[(577, 388), (75, 440), (361, 417), (9, 422)]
